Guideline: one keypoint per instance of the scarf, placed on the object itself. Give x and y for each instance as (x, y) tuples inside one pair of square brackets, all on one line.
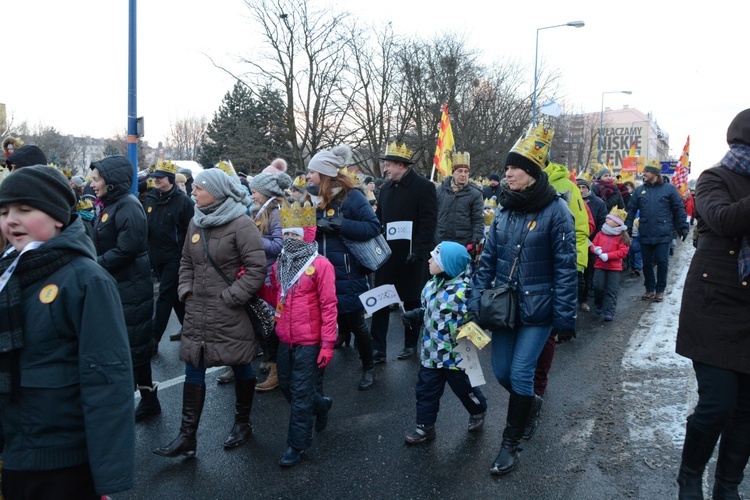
[(532, 199), (737, 160), (219, 213), (294, 254), (613, 231), (606, 188), (33, 266)]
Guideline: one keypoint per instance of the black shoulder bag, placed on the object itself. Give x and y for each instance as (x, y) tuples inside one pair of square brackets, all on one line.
[(258, 310)]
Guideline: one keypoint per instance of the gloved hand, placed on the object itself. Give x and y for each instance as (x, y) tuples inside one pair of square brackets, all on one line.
[(414, 318), (325, 357), (564, 335), (329, 226), (413, 258), (472, 316), (598, 250), (684, 234), (604, 257)]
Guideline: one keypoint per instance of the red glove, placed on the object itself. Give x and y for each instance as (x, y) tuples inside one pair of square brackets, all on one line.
[(325, 357)]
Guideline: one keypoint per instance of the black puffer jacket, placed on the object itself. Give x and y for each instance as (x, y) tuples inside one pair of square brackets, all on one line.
[(121, 239), (460, 213)]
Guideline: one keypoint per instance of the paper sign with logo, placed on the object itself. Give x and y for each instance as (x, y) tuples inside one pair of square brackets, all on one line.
[(470, 362), (399, 230), (379, 297)]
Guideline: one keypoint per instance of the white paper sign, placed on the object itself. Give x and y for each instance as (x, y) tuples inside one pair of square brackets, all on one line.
[(379, 297), (470, 362), (399, 230)]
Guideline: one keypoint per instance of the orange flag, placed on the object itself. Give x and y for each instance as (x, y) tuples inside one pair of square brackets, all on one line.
[(680, 178), (443, 160)]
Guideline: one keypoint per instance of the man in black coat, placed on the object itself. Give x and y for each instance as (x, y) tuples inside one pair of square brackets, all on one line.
[(405, 196), (460, 207), (494, 188)]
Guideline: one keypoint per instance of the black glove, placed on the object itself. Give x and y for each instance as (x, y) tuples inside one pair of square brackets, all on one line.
[(564, 335), (329, 226), (472, 316), (414, 318), (630, 232), (413, 258), (684, 234)]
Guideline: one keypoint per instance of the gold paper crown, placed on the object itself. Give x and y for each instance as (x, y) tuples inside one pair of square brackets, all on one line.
[(535, 145), (619, 213), (401, 151), (300, 181), (654, 163), (490, 202), (150, 183), (297, 216), (85, 204), (166, 166), (226, 167), (349, 173), (461, 159), (586, 176)]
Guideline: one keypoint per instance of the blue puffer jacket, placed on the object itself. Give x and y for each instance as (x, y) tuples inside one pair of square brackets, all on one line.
[(360, 224), (662, 212), (546, 276)]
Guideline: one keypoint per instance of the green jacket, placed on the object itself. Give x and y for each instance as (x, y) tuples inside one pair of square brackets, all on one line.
[(559, 178)]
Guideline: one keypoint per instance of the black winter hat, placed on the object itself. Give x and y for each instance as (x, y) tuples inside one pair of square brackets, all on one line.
[(738, 131), (520, 161), (494, 176), (42, 187), (26, 156), (368, 180)]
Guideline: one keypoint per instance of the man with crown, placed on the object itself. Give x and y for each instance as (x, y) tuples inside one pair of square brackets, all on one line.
[(405, 197), (460, 206), (168, 210)]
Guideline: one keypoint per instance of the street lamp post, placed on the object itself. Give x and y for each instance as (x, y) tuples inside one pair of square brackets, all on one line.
[(601, 118), (575, 24)]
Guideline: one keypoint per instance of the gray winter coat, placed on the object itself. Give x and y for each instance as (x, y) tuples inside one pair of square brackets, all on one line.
[(460, 213)]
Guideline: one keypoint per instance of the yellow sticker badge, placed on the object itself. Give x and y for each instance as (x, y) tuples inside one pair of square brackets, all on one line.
[(532, 225), (310, 270), (48, 294), (196, 238), (330, 212), (105, 217), (149, 209), (643, 192)]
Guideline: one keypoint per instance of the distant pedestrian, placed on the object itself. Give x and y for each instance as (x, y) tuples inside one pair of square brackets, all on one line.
[(25, 156), (604, 187), (493, 188)]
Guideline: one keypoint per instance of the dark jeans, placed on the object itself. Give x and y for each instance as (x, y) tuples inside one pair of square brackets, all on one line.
[(380, 328), (270, 346), (430, 387), (655, 255), (635, 258), (197, 375), (588, 280), (354, 322), (606, 288), (70, 483), (723, 398), (168, 273), (298, 376)]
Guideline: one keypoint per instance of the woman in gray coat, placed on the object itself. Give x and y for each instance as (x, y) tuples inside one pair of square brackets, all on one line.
[(221, 240)]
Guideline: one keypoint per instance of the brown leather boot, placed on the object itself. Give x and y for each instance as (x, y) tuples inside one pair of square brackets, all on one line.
[(271, 382)]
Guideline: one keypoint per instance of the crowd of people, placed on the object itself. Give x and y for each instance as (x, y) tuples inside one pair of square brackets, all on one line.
[(82, 256)]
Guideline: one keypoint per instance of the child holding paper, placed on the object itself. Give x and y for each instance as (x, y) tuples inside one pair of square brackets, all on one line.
[(443, 310)]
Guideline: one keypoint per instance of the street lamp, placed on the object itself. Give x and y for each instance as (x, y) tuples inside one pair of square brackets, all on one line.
[(575, 24), (601, 117)]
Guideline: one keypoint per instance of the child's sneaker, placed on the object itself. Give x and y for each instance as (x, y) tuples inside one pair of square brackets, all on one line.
[(476, 422), (608, 317), (422, 434), (598, 310)]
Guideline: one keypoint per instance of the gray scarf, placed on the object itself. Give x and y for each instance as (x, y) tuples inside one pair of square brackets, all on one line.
[(220, 213)]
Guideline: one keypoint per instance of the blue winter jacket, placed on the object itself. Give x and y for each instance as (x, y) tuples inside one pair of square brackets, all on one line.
[(545, 276), (662, 212)]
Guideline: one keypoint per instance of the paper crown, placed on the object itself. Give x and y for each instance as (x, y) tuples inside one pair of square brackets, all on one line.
[(586, 176), (461, 159), (490, 205), (300, 181), (85, 204), (150, 183), (535, 145), (297, 216), (619, 213), (166, 166), (349, 173), (401, 153), (226, 167)]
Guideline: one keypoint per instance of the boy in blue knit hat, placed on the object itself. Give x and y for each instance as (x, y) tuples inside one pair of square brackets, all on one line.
[(444, 309)]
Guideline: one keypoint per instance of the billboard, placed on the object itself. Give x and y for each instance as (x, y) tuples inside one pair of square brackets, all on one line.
[(617, 140)]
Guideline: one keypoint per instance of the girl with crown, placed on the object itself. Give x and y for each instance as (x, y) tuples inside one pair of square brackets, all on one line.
[(611, 246)]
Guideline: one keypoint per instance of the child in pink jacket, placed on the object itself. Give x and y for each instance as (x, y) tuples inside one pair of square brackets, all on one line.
[(303, 291), (611, 246)]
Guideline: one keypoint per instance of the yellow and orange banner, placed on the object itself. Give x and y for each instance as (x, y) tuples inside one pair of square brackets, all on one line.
[(443, 160), (680, 178)]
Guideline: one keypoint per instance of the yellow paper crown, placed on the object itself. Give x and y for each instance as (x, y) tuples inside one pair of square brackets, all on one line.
[(166, 166), (85, 204), (619, 213), (297, 216), (226, 167), (349, 173), (535, 145), (461, 159), (300, 181), (401, 151), (150, 183)]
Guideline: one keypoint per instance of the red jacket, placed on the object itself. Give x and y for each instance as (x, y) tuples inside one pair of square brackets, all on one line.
[(614, 247), (308, 316)]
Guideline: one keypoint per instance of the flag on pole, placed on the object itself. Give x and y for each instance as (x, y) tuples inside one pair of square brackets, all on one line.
[(680, 178), (379, 297), (399, 230), (551, 109), (443, 161)]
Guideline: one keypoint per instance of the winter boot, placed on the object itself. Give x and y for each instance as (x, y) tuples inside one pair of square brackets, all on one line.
[(226, 377), (193, 397), (698, 448), (519, 408), (149, 405), (734, 450), (244, 391), (422, 434), (533, 422), (367, 380), (271, 382)]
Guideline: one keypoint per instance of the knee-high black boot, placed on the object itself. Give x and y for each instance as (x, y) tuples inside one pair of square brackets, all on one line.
[(519, 408), (734, 451), (193, 397), (696, 451), (242, 429)]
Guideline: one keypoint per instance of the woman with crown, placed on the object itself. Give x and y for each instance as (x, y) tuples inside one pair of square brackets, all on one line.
[(530, 246), (342, 210)]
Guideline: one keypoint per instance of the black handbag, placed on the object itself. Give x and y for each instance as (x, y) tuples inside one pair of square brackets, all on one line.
[(258, 310), (371, 253)]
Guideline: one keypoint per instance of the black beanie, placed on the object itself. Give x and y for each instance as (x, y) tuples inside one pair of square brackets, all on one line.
[(520, 161), (26, 156), (739, 130), (41, 187)]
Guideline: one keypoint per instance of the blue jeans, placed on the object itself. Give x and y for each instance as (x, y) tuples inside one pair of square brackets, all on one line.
[(195, 375), (655, 255), (514, 356), (635, 258)]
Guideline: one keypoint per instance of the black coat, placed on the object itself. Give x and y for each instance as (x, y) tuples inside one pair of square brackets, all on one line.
[(713, 325), (169, 215), (488, 191), (460, 214), (121, 238), (414, 199)]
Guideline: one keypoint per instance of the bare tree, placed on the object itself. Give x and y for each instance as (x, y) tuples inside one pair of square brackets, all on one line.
[(185, 137)]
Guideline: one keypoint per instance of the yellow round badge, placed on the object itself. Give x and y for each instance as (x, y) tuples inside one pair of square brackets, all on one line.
[(48, 294), (643, 192), (310, 270), (196, 238), (105, 217), (330, 212), (532, 225), (149, 209)]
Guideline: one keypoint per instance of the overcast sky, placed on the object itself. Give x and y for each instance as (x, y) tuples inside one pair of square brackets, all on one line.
[(66, 63)]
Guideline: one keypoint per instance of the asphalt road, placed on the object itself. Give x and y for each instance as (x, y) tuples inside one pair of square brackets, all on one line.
[(604, 432)]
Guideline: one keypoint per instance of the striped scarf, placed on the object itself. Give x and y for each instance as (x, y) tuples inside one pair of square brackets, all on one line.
[(737, 160)]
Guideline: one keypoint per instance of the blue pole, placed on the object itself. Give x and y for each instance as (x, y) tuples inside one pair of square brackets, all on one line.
[(132, 100)]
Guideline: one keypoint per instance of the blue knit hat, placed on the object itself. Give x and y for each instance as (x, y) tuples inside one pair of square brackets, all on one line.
[(451, 257)]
